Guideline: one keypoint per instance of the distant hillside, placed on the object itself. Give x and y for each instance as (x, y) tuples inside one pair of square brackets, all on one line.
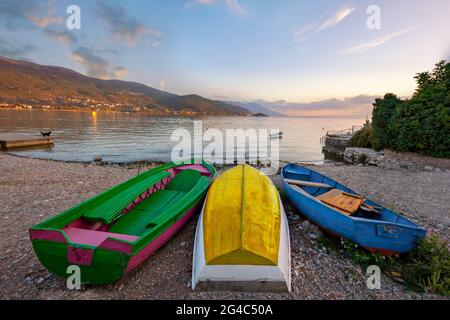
[(256, 108), (29, 84)]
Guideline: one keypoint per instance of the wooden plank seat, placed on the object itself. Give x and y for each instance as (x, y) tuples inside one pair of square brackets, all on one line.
[(155, 209), (304, 183), (144, 215), (107, 210), (344, 202)]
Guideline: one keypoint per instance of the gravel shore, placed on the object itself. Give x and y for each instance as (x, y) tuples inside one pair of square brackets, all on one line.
[(32, 190)]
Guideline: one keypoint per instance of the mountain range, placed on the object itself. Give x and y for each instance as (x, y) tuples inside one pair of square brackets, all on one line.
[(29, 84), (256, 108)]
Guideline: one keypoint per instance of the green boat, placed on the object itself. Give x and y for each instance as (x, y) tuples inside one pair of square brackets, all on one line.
[(110, 234)]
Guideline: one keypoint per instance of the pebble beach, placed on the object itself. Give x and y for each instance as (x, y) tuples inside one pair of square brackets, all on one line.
[(32, 190)]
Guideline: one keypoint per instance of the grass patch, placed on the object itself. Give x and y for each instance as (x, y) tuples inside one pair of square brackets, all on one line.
[(365, 258), (283, 196), (324, 242), (425, 269)]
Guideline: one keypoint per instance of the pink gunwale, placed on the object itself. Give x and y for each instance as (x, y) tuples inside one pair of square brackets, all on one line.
[(49, 235), (100, 239), (162, 239), (199, 167), (97, 239)]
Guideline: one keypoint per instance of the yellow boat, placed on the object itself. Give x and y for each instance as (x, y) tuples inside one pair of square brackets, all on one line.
[(242, 240)]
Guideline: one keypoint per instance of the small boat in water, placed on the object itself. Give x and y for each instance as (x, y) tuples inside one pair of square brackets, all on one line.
[(110, 234), (341, 211), (276, 135), (242, 239)]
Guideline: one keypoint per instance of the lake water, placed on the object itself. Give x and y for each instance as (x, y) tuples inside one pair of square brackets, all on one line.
[(124, 137)]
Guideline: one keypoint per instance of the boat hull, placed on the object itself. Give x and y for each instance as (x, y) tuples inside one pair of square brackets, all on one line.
[(104, 256), (392, 234), (242, 277), (237, 263), (106, 266)]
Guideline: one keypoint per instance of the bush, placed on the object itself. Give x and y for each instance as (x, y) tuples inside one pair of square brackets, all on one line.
[(427, 268), (364, 139), (420, 124)]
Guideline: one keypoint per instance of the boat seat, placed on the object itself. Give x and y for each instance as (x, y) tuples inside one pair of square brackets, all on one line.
[(144, 215), (108, 209), (184, 181), (94, 238), (154, 210), (343, 202)]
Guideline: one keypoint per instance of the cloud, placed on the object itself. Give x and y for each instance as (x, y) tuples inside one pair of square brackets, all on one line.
[(27, 13), (63, 36), (303, 33), (96, 66), (153, 43), (45, 21), (339, 16), (236, 8), (120, 72), (204, 2), (360, 105), (232, 5), (375, 42), (16, 52), (306, 32), (121, 25)]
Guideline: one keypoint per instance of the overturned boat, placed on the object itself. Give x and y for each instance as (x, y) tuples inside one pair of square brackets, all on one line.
[(341, 211), (242, 239), (110, 234)]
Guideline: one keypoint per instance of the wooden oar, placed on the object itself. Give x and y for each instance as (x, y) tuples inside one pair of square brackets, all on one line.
[(308, 183), (370, 208)]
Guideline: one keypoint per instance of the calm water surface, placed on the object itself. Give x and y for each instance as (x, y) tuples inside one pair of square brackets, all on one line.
[(123, 137)]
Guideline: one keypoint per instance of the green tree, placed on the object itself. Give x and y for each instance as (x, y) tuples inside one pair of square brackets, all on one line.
[(420, 124), (383, 116)]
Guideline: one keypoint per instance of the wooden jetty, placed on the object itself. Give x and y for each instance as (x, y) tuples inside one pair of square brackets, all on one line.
[(19, 140), (337, 141)]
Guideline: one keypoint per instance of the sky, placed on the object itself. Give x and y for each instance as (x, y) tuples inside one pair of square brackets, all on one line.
[(300, 57)]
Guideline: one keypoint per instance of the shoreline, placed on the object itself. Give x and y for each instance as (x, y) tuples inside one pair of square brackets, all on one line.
[(146, 162), (195, 115), (47, 187)]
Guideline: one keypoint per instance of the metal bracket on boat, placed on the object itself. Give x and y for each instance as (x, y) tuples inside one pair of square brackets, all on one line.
[(80, 256)]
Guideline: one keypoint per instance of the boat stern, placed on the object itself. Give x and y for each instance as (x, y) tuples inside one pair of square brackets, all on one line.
[(102, 264)]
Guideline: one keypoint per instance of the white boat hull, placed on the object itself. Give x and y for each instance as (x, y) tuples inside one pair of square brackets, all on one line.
[(243, 277)]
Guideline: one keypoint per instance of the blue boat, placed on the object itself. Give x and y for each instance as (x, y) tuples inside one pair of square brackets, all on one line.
[(375, 228)]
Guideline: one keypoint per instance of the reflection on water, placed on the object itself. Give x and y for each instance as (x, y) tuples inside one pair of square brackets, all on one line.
[(120, 137)]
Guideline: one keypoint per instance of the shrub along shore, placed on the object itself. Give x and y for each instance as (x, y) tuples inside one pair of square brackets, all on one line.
[(420, 124)]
